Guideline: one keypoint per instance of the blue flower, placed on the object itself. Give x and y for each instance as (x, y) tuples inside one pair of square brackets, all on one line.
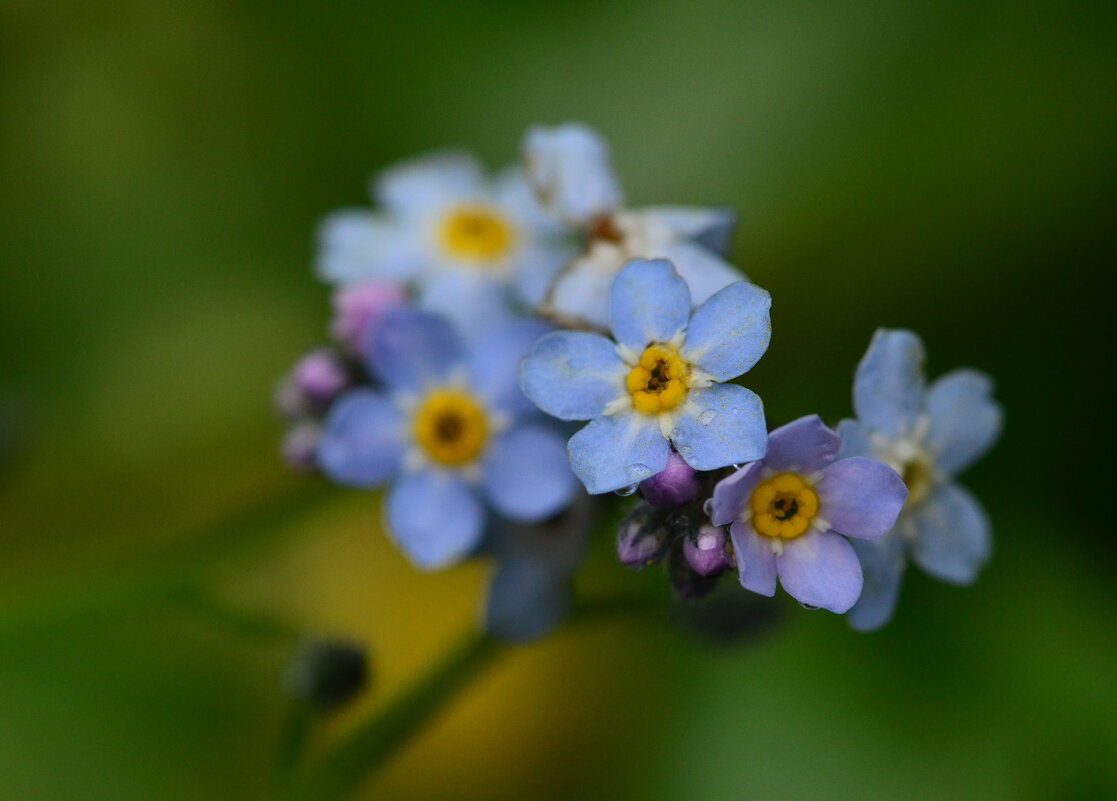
[(470, 245), (789, 515), (451, 433), (659, 383), (928, 435), (570, 168)]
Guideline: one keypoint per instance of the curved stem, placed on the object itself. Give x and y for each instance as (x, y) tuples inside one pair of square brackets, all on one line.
[(373, 742)]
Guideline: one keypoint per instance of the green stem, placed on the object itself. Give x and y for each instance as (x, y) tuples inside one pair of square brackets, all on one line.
[(374, 742), (292, 743)]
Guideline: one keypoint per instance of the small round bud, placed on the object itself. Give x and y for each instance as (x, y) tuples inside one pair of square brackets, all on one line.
[(640, 540), (320, 376), (676, 484), (359, 306), (299, 446), (708, 551), (326, 673)]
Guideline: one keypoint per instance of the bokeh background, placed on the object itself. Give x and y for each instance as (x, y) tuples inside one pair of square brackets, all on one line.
[(949, 168)]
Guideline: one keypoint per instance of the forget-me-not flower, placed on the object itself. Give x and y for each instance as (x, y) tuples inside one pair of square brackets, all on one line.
[(570, 168), (928, 435), (470, 245), (658, 382), (789, 515), (451, 433)]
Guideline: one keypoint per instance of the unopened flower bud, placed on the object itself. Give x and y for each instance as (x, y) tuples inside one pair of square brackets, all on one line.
[(707, 552), (676, 484), (326, 673), (299, 446), (359, 306), (321, 376), (640, 539)]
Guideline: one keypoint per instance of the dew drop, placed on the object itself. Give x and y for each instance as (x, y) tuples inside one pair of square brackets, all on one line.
[(624, 492), (706, 417), (576, 364), (808, 607), (638, 472), (708, 507)]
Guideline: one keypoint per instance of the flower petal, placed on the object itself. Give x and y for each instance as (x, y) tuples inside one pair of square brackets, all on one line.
[(882, 564), (417, 185), (570, 168), (494, 364), (434, 517), (855, 439), (526, 473), (732, 493), (648, 303), (712, 228), (356, 244), (860, 497), (953, 538), (965, 420), (756, 563), (571, 375), (730, 332), (705, 272), (412, 349), (805, 445), (472, 301), (612, 453), (888, 384), (526, 599), (362, 440), (580, 295), (820, 569), (722, 425)]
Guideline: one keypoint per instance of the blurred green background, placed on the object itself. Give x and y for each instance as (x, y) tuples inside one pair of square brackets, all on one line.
[(949, 168)]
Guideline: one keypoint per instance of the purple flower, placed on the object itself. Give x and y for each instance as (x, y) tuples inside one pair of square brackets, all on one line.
[(676, 484), (790, 513)]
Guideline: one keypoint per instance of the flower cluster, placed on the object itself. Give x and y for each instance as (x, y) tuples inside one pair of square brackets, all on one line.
[(479, 321)]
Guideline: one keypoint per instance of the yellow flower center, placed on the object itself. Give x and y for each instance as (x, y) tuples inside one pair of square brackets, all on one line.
[(450, 426), (783, 506), (659, 382), (917, 474), (476, 233)]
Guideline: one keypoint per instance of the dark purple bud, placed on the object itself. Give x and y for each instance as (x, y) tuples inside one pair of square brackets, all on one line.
[(326, 673), (299, 446), (676, 484), (708, 551), (320, 376), (358, 306), (639, 543)]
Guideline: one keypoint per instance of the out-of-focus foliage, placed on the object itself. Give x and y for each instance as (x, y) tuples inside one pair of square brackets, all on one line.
[(949, 169)]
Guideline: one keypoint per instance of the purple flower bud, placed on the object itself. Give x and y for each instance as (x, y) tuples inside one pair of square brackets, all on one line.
[(358, 306), (707, 552), (320, 376), (638, 543), (676, 484), (299, 446)]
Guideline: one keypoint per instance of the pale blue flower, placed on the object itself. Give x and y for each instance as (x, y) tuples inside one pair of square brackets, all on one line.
[(470, 245), (928, 435), (570, 168), (659, 382), (789, 515), (450, 432)]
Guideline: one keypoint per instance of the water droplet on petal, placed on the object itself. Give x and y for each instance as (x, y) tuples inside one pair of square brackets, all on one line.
[(624, 492), (706, 417), (708, 507), (576, 364), (638, 472), (808, 607)]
